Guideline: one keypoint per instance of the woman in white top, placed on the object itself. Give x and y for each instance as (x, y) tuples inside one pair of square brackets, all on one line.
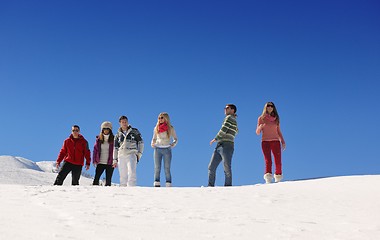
[(102, 154), (164, 139)]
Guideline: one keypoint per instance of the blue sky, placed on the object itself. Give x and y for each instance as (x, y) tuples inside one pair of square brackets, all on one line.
[(84, 62)]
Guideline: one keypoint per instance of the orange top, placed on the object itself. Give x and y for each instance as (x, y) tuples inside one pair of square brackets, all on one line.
[(270, 129)]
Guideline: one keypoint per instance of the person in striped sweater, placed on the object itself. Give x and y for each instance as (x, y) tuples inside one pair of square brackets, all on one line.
[(225, 147)]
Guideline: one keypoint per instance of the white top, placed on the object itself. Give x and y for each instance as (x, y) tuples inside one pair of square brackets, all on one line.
[(104, 151), (162, 140)]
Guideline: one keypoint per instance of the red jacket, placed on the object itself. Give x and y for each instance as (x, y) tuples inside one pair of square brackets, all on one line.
[(74, 150)]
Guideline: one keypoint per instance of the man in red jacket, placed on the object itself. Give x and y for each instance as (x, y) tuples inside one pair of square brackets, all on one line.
[(74, 150)]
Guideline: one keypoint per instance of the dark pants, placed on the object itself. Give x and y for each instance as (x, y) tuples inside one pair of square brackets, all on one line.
[(223, 152), (66, 168), (99, 171)]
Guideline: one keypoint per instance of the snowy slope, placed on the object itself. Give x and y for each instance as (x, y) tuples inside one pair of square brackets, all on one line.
[(331, 208), (18, 170)]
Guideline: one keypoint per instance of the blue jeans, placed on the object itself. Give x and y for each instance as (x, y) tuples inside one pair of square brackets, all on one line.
[(166, 155), (223, 152)]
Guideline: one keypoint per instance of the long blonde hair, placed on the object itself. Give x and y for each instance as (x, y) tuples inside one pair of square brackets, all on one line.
[(166, 117), (273, 114)]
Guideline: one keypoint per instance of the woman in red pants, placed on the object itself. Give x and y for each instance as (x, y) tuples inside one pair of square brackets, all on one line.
[(272, 141)]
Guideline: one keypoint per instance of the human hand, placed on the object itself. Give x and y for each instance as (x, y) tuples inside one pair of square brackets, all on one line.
[(114, 164), (212, 141), (283, 146), (87, 167)]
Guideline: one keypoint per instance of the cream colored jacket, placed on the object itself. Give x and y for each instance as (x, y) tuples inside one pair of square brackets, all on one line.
[(161, 140)]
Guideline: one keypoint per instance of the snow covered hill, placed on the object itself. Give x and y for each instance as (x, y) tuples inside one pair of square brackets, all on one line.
[(18, 170), (345, 208)]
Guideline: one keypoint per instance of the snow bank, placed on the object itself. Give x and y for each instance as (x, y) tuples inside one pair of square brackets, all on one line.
[(9, 163), (18, 170), (338, 208)]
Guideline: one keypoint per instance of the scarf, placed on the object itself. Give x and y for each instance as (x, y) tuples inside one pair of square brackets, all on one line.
[(163, 127), (106, 137)]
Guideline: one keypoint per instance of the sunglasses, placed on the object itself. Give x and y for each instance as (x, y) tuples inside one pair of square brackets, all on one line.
[(270, 106), (75, 130), (106, 129), (227, 107), (161, 118)]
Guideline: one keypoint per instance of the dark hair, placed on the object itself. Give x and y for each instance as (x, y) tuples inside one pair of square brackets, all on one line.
[(232, 106), (123, 117), (110, 139), (75, 126)]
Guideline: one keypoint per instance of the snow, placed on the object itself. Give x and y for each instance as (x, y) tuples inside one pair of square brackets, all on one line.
[(328, 208), (18, 170)]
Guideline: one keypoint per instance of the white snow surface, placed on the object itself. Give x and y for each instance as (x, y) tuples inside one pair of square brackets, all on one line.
[(18, 170), (333, 208)]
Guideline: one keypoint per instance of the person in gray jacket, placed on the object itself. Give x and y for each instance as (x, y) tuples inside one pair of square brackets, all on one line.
[(128, 149)]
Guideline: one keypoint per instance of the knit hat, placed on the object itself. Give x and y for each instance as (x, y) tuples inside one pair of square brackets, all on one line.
[(106, 125)]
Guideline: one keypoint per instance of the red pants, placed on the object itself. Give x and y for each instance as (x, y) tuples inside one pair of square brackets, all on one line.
[(270, 147)]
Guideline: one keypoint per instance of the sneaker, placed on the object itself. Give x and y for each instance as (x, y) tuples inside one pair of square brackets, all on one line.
[(168, 184), (156, 184), (268, 177), (277, 178)]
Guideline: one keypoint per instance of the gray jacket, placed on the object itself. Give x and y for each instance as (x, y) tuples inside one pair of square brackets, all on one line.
[(129, 142)]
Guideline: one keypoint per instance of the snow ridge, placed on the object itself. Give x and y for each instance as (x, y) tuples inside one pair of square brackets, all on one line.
[(22, 171), (339, 208)]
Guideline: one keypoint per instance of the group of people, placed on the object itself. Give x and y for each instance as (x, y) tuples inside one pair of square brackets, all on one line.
[(124, 149)]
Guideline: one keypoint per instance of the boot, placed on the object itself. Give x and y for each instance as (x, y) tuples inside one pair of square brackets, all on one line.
[(277, 178), (268, 177), (168, 184), (156, 184)]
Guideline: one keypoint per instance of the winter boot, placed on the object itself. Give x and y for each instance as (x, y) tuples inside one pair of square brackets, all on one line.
[(277, 178), (156, 184), (168, 184), (268, 177)]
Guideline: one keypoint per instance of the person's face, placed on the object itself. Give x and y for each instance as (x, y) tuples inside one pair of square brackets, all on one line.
[(228, 110), (269, 108), (106, 131), (124, 123), (161, 119), (75, 131)]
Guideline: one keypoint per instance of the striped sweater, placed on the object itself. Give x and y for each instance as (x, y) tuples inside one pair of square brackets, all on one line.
[(228, 131)]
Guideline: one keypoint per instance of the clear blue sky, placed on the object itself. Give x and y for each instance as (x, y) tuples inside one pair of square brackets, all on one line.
[(84, 62)]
